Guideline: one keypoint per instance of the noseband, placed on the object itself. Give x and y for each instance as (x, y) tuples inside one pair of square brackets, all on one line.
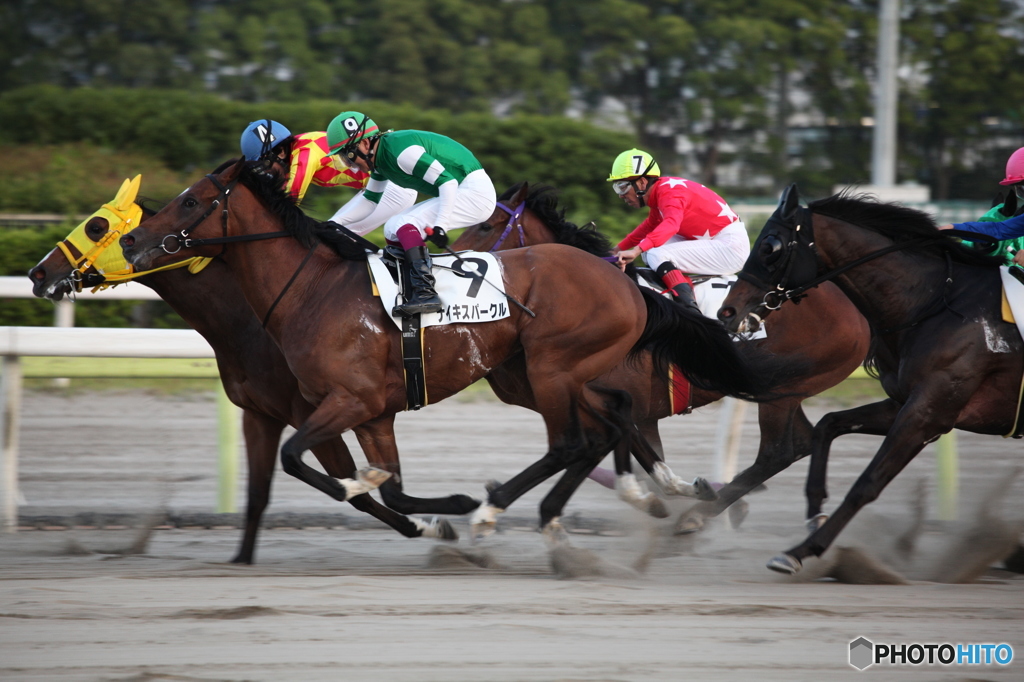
[(515, 219)]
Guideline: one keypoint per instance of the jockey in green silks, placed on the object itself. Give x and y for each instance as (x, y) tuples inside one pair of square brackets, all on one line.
[(461, 192)]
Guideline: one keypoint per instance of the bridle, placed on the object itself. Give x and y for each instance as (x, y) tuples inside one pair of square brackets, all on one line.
[(515, 219), (184, 241), (799, 254)]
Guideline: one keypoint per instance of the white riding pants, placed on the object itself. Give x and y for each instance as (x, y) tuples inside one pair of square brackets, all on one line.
[(723, 254), (474, 203), (394, 200)]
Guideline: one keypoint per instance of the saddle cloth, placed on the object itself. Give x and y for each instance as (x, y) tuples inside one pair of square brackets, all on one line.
[(465, 297)]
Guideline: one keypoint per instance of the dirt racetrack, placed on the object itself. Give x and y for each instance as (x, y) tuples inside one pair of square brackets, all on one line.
[(349, 599)]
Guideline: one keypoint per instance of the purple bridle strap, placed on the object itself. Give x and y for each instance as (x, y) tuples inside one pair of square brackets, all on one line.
[(514, 220)]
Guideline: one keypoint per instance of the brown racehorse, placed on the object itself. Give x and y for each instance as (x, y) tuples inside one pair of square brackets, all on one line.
[(825, 329), (253, 371), (943, 354), (345, 352)]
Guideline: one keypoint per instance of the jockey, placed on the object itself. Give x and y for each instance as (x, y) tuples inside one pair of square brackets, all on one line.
[(1010, 228), (307, 161), (690, 229), (435, 165)]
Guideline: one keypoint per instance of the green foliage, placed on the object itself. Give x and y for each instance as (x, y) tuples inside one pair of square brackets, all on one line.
[(746, 95), (194, 133), (78, 178)]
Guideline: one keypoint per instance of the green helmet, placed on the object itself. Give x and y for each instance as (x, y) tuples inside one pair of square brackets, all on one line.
[(632, 163), (348, 128)]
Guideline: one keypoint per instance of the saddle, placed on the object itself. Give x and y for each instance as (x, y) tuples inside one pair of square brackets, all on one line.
[(471, 291)]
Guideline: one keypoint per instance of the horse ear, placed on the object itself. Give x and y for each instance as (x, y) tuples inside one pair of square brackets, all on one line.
[(789, 202), (233, 171), (1009, 208), (520, 195), (127, 194)]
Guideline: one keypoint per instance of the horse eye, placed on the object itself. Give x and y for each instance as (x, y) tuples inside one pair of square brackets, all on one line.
[(190, 202), (96, 228), (485, 226), (770, 249)]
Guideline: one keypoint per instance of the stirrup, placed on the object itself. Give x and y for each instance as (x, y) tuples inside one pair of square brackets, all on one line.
[(408, 309)]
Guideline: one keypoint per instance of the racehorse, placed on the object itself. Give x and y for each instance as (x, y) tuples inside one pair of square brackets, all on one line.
[(252, 369), (825, 330), (944, 356), (346, 353)]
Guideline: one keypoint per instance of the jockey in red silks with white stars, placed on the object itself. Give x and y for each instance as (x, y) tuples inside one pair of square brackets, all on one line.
[(689, 231)]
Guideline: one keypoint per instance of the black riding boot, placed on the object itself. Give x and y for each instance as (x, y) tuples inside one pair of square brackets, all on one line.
[(685, 297), (682, 290), (424, 299)]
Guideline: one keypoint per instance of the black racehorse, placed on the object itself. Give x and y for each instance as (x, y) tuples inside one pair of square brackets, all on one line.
[(945, 357)]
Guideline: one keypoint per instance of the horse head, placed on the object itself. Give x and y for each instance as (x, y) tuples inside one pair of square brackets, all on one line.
[(174, 234), (84, 258), (782, 258)]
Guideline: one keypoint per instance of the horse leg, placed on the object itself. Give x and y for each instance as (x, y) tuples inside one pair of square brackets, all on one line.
[(560, 410), (337, 461), (569, 448), (377, 438), (653, 462), (917, 424), (874, 419), (785, 438), (262, 434), (620, 412), (616, 423), (338, 412)]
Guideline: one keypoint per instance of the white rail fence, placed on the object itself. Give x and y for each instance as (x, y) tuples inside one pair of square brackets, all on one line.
[(65, 340)]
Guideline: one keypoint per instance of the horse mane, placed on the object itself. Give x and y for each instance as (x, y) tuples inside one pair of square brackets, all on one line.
[(306, 230), (899, 223), (543, 201)]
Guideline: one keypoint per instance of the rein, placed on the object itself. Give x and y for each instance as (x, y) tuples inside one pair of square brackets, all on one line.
[(515, 219), (184, 241)]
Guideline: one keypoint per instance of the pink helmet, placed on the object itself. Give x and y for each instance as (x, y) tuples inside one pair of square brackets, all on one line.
[(1014, 168)]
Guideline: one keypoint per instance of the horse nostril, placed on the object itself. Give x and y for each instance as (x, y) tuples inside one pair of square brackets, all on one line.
[(128, 240), (726, 313), (37, 273)]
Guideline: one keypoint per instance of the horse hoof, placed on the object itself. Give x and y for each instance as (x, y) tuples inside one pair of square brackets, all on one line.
[(785, 563), (439, 529), (703, 491), (657, 508), (816, 522), (688, 525), (738, 512), (484, 521), (554, 533)]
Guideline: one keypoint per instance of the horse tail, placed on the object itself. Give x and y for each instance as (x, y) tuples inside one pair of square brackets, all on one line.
[(708, 355)]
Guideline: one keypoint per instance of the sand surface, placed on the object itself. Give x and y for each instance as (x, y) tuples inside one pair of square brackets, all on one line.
[(353, 600)]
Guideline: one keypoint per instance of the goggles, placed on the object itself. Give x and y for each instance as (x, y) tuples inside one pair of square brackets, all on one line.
[(621, 186), (1018, 189), (348, 157)]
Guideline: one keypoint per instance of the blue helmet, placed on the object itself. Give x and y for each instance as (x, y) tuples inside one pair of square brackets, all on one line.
[(255, 135)]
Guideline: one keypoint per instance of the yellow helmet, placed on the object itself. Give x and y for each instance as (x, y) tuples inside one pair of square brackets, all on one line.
[(632, 163)]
